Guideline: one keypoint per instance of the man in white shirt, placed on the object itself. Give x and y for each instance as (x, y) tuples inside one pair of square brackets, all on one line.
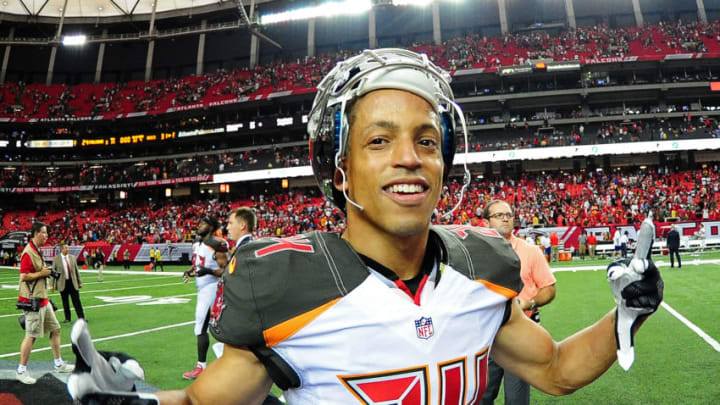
[(546, 246), (700, 235), (624, 240), (618, 243)]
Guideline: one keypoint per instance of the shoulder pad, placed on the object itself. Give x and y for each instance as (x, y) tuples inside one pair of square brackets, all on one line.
[(480, 254), (217, 244), (273, 280)]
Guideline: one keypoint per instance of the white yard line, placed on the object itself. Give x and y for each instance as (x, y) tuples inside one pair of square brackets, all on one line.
[(126, 272), (14, 283), (83, 292), (124, 335), (658, 263), (111, 304), (712, 342)]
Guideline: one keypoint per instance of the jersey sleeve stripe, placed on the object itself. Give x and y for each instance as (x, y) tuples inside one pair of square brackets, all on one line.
[(282, 331), (507, 292)]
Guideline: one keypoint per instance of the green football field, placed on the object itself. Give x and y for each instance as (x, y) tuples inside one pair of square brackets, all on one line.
[(150, 316)]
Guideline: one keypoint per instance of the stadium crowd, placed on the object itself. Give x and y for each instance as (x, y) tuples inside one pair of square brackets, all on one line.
[(596, 43), (539, 199), (595, 198), (281, 214), (522, 136), (586, 43)]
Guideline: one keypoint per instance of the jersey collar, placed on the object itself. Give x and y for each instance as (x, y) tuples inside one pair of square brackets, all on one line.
[(433, 254)]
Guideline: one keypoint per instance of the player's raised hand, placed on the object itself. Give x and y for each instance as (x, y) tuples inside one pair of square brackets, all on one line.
[(638, 290), (192, 272)]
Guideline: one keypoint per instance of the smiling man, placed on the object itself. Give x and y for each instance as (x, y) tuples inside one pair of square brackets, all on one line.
[(538, 290), (394, 310), (394, 169)]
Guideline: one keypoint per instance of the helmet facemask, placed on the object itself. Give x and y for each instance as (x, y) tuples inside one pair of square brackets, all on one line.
[(328, 123)]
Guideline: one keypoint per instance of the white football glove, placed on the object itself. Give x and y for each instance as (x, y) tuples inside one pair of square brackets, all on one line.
[(103, 377), (638, 290)]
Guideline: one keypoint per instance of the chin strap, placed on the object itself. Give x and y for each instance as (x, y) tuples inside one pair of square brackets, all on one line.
[(467, 177), (339, 156)]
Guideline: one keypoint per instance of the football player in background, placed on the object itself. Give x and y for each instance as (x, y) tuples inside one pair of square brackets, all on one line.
[(209, 260), (394, 309)]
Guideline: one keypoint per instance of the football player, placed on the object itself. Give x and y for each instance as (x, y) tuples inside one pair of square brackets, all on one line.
[(394, 310), (209, 260)]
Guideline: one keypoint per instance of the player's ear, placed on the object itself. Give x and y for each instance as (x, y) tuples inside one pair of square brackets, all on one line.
[(338, 177)]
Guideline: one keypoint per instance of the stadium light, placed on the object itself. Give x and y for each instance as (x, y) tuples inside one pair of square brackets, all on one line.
[(328, 9), (419, 3), (74, 40)]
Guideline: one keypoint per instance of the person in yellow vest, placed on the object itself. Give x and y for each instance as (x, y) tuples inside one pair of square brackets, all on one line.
[(152, 258), (158, 260), (39, 314)]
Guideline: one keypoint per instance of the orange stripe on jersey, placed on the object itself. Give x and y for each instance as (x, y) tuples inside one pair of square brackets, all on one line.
[(507, 292), (280, 332)]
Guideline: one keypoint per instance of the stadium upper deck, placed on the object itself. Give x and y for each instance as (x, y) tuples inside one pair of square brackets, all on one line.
[(471, 54)]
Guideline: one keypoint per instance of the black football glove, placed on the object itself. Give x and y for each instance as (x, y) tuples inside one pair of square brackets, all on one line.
[(103, 377), (197, 271), (645, 294), (638, 290), (202, 271)]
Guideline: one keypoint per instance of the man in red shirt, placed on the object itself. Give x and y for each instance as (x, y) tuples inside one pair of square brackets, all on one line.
[(554, 246), (592, 244), (33, 287)]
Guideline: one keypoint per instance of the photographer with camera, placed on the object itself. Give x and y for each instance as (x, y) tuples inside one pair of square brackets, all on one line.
[(37, 309)]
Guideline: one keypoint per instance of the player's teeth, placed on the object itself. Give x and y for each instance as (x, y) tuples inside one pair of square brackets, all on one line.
[(405, 188)]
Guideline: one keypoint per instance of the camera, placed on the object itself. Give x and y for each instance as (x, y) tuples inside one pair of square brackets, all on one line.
[(33, 305), (54, 273)]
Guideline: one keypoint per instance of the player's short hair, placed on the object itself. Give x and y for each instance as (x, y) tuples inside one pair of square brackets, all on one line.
[(247, 215), (486, 211), (36, 227)]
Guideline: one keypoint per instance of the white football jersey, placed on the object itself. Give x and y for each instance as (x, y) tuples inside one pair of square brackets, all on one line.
[(204, 255), (432, 353), (339, 332)]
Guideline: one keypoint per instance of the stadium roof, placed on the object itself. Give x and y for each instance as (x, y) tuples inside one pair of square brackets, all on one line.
[(92, 10)]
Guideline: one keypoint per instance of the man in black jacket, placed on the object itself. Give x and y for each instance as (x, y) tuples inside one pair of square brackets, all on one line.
[(673, 245)]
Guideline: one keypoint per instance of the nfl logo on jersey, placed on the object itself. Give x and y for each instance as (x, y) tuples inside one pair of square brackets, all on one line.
[(424, 328)]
